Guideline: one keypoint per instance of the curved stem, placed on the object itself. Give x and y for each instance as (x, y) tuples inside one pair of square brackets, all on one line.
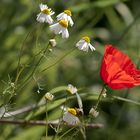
[(40, 59), (57, 61)]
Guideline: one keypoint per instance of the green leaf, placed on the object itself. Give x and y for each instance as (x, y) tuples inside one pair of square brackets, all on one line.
[(32, 133)]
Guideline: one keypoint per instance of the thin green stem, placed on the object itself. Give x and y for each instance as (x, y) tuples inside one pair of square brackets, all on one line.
[(112, 131), (99, 98), (66, 133), (59, 123), (38, 62), (55, 63), (126, 100), (40, 59), (46, 120), (18, 74), (20, 52)]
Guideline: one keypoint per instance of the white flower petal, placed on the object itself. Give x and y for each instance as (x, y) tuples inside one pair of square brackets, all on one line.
[(70, 119), (60, 16), (70, 21), (41, 17), (65, 33), (48, 19), (63, 16), (85, 47), (56, 28), (43, 6), (91, 47), (80, 43), (52, 13)]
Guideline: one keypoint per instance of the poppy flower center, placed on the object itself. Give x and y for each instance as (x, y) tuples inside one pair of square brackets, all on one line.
[(86, 38), (46, 11), (63, 23), (72, 111), (68, 12)]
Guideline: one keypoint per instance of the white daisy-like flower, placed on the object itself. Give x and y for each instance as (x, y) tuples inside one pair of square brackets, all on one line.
[(45, 14), (66, 15), (71, 89), (84, 44), (70, 117), (61, 28)]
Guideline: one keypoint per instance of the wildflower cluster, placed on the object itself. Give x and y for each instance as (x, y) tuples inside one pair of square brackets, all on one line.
[(63, 20), (117, 70), (60, 26)]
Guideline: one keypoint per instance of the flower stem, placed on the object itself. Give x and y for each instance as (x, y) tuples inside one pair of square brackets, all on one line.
[(99, 98), (46, 120), (61, 58), (60, 119), (35, 67)]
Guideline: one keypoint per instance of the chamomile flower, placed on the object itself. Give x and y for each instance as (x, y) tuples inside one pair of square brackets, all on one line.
[(70, 117), (66, 15), (84, 44), (61, 28), (45, 14)]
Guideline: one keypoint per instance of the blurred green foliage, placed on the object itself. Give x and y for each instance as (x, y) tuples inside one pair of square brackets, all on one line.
[(21, 38)]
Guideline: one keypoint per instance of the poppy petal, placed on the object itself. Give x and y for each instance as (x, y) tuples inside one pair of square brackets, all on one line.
[(117, 69)]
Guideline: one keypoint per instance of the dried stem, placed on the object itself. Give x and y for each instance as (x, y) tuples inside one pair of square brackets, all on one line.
[(23, 110), (39, 122)]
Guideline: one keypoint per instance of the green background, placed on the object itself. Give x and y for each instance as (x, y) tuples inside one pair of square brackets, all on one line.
[(21, 37)]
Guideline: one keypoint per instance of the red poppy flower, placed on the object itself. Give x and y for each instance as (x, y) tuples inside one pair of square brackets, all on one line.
[(117, 70)]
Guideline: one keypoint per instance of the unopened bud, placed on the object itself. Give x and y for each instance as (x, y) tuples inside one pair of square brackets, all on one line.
[(52, 42), (104, 93), (93, 112), (49, 96), (71, 89), (12, 84)]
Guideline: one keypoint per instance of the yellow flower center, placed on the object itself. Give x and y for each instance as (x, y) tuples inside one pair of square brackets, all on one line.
[(46, 11), (68, 12), (72, 111), (63, 23), (86, 38)]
